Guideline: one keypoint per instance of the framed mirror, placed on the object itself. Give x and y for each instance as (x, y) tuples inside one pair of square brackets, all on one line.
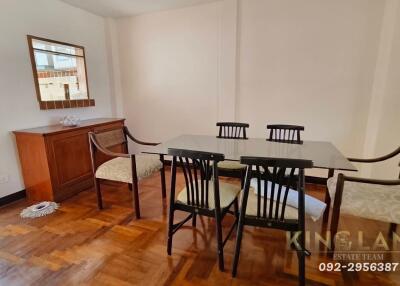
[(59, 72)]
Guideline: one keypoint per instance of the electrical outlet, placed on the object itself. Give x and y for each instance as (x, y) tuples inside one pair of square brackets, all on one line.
[(4, 178)]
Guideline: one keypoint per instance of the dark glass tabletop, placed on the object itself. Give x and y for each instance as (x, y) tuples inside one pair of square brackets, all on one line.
[(323, 154)]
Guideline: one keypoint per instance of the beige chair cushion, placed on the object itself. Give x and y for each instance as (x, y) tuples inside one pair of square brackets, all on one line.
[(313, 207), (370, 201), (227, 194), (231, 165), (287, 171), (251, 209), (119, 169)]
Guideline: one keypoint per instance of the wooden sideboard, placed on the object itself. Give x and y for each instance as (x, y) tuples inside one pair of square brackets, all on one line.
[(55, 160)]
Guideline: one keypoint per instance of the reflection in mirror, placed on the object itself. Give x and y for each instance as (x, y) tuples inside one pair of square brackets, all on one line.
[(60, 74)]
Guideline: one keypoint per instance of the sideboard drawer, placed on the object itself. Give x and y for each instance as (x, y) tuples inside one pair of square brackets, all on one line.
[(106, 127)]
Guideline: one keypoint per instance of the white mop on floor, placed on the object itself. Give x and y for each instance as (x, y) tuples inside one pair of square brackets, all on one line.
[(38, 210)]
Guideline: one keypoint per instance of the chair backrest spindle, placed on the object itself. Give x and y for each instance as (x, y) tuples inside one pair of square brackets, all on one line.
[(275, 178), (232, 130), (285, 133), (196, 167)]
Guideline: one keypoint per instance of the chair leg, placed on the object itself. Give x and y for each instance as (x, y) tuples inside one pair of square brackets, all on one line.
[(392, 228), (302, 267), (170, 228), (327, 199), (242, 178), (220, 246), (236, 208), (162, 172), (237, 248), (194, 219), (328, 206), (336, 211), (136, 198), (333, 228), (301, 255), (98, 193)]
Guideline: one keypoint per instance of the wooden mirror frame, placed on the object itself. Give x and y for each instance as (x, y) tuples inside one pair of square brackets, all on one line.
[(57, 104)]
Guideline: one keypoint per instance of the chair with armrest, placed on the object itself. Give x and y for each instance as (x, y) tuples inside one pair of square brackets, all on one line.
[(363, 197), (123, 167), (232, 130)]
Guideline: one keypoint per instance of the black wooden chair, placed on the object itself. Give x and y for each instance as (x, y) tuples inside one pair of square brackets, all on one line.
[(285, 133), (363, 197), (122, 167), (203, 195), (268, 208), (232, 130)]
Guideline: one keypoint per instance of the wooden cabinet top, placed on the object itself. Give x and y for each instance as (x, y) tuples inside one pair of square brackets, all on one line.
[(55, 129)]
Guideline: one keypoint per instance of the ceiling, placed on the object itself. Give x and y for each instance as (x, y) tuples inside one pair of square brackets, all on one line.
[(124, 8)]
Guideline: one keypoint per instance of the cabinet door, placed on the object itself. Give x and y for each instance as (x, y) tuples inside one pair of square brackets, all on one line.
[(70, 164)]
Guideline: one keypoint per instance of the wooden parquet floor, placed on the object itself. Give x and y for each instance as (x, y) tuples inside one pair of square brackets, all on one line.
[(80, 245)]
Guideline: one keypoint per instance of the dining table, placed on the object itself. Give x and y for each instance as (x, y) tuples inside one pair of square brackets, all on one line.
[(323, 154)]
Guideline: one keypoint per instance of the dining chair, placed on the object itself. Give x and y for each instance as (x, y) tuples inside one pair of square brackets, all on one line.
[(364, 197), (267, 204), (123, 167), (203, 194), (285, 133), (232, 130)]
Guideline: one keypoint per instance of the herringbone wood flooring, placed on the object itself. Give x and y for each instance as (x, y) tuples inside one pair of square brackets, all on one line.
[(80, 245)]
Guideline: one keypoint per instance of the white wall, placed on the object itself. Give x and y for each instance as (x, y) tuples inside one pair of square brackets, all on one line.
[(19, 108), (308, 62), (170, 71), (311, 63), (387, 135)]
